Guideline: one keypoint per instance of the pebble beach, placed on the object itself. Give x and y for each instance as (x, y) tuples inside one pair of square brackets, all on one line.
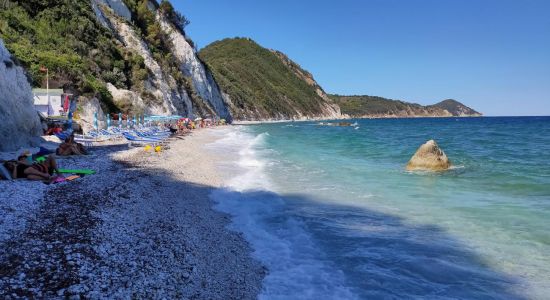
[(142, 227)]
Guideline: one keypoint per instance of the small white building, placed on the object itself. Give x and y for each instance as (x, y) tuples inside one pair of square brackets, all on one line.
[(49, 103)]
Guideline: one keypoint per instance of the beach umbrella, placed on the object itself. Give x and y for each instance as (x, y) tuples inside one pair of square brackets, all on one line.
[(134, 120), (95, 121), (108, 120), (120, 120)]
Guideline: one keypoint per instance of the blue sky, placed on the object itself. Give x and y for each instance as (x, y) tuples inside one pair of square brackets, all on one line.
[(493, 55)]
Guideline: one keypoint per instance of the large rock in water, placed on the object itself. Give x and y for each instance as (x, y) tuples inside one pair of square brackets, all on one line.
[(19, 121), (429, 157)]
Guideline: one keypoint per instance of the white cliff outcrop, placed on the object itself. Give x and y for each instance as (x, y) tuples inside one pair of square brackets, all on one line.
[(196, 93), (87, 117), (172, 99), (191, 66), (20, 121)]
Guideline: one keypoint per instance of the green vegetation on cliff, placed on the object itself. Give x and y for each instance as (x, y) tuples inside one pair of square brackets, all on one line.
[(456, 108), (374, 106), (66, 37), (369, 105), (259, 82)]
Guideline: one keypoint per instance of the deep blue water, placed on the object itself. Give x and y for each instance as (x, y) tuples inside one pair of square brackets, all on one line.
[(333, 214)]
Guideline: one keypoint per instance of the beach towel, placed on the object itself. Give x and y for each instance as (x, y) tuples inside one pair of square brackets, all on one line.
[(71, 178), (80, 172)]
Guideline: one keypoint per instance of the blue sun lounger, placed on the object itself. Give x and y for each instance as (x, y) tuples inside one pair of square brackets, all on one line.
[(132, 139)]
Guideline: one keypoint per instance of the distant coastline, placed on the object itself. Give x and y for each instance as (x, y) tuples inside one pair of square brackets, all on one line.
[(253, 122)]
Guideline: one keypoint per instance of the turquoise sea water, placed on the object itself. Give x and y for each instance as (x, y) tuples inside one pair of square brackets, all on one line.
[(333, 214)]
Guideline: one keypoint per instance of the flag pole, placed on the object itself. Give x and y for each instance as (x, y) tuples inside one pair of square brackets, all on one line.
[(48, 86)]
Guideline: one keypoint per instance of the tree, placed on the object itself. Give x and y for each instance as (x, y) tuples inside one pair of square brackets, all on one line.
[(173, 16)]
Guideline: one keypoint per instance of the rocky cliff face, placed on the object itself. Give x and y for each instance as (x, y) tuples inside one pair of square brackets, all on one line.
[(88, 109), (129, 56), (262, 84), (20, 121), (132, 56), (191, 66), (330, 110), (170, 97)]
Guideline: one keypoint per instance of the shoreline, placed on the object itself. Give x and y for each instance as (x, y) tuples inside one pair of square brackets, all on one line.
[(143, 226), (238, 122)]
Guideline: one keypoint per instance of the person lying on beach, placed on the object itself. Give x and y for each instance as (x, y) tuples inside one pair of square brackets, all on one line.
[(70, 147), (33, 171)]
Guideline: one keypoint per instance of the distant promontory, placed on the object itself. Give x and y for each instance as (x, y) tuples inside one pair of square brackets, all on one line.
[(379, 107)]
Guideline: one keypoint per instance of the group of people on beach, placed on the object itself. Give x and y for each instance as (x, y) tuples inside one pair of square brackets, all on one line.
[(70, 147), (185, 125), (25, 167), (41, 166)]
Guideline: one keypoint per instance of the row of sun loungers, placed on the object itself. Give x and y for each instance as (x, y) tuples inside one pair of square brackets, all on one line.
[(137, 136)]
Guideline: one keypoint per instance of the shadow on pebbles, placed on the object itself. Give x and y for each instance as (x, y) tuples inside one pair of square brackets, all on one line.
[(131, 231)]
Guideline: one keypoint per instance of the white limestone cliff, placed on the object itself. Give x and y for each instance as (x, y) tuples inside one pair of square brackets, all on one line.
[(205, 96), (20, 122), (89, 107), (191, 66), (172, 100)]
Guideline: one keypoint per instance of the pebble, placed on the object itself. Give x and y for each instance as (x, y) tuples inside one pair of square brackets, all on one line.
[(149, 232)]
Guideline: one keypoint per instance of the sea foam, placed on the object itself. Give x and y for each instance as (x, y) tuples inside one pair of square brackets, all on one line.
[(296, 266)]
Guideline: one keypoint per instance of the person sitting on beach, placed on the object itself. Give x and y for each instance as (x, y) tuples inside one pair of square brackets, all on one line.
[(70, 147), (183, 129), (22, 168), (173, 129)]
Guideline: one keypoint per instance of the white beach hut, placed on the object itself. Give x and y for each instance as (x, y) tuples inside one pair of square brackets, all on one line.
[(47, 102)]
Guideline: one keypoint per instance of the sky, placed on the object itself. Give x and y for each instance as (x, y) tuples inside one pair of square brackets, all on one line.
[(492, 55)]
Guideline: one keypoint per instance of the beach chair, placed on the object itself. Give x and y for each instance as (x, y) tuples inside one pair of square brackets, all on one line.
[(137, 140), (63, 135), (152, 135)]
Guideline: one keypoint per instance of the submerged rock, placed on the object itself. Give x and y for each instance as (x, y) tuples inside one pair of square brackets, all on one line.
[(429, 157)]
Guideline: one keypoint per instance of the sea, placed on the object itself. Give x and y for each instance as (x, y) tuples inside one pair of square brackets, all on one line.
[(333, 214)]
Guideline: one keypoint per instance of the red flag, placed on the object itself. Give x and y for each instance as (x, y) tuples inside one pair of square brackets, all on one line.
[(43, 69), (66, 104)]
